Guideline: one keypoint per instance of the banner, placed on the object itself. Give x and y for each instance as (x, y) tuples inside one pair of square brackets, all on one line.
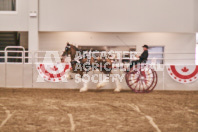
[(53, 72), (183, 73)]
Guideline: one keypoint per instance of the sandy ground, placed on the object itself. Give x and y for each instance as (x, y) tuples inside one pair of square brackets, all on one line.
[(51, 110)]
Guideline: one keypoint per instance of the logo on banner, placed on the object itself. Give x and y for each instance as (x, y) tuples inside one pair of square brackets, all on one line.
[(53, 72), (183, 73)]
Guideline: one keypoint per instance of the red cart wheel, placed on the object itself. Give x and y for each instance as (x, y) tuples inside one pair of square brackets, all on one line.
[(141, 80)]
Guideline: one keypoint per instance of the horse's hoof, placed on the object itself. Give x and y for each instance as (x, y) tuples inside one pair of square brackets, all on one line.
[(70, 78), (83, 90), (117, 90), (99, 86)]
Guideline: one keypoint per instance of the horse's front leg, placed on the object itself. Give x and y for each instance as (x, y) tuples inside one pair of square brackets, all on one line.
[(85, 83), (68, 75)]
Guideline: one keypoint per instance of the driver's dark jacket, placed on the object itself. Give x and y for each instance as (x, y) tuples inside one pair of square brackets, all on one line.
[(144, 56)]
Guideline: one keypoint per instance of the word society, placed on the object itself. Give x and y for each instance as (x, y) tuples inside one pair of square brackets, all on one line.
[(96, 78)]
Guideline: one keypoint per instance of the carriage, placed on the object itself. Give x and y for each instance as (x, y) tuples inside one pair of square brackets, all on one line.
[(141, 78)]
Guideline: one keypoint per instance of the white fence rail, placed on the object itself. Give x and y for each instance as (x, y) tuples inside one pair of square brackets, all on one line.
[(33, 57)]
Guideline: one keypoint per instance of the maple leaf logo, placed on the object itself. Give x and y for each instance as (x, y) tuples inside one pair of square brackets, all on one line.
[(54, 68), (185, 69)]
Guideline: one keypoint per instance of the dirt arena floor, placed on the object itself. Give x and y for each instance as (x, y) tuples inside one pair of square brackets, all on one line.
[(53, 110)]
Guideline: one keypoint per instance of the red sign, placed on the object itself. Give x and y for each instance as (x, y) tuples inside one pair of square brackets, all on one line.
[(183, 73), (53, 72)]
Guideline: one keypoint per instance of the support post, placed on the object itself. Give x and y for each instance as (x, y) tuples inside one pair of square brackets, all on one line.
[(33, 35)]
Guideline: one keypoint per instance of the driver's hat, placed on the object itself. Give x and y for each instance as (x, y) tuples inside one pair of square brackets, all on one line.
[(146, 46)]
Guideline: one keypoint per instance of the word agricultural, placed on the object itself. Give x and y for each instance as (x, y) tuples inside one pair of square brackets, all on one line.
[(114, 56)]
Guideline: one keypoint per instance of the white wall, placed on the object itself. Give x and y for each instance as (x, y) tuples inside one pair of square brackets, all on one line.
[(196, 54), (196, 48), (173, 42), (196, 38), (196, 14), (117, 15), (16, 21), (106, 16), (27, 78)]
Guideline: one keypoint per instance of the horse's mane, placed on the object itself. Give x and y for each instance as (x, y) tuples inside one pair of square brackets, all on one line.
[(74, 47)]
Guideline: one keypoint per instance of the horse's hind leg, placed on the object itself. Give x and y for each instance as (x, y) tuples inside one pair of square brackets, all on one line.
[(118, 85), (103, 82)]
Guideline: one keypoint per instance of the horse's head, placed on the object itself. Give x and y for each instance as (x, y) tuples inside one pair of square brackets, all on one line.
[(66, 52)]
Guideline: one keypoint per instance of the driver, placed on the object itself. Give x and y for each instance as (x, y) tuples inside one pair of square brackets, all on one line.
[(142, 58)]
